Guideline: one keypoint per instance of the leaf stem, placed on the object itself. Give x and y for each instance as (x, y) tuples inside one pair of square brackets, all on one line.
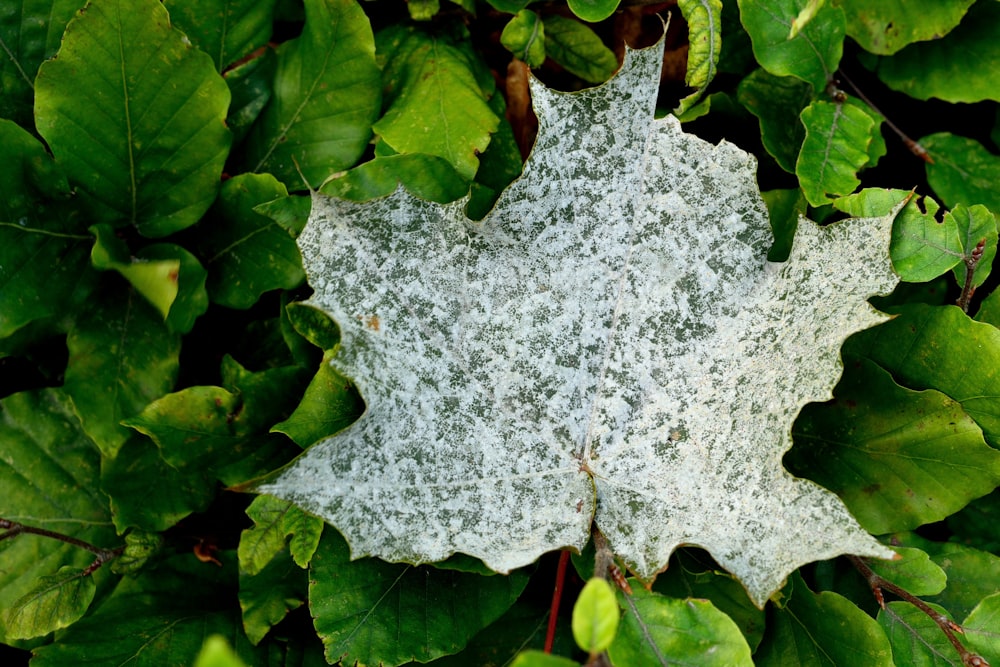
[(14, 528), (913, 146), (550, 633), (971, 262), (947, 626)]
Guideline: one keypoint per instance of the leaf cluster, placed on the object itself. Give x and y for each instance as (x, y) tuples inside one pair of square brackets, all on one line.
[(156, 162)]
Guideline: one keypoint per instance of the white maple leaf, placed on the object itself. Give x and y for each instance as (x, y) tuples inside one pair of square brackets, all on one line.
[(608, 345)]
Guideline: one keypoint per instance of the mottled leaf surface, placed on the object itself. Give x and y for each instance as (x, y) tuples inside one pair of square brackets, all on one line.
[(589, 351)]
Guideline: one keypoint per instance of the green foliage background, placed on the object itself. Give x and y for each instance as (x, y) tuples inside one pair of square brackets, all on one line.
[(156, 165)]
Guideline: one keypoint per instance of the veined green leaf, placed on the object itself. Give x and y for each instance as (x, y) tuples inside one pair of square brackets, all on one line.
[(657, 630), (886, 26), (981, 628), (578, 48), (916, 639), (428, 176), (595, 616), (140, 547), (704, 19), (777, 101), (524, 36), (914, 571), (975, 225), (274, 521), (963, 172), (135, 115), (813, 55), (54, 602), (227, 30), (960, 67), (834, 150), (251, 85), (268, 595), (327, 92)]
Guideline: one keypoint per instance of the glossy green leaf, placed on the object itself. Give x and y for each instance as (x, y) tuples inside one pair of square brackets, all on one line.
[(498, 166), (914, 571), (192, 297), (972, 574), (595, 616), (821, 629), (149, 494), (897, 458), (784, 208), (960, 67), (578, 49), (30, 31), (657, 630), (274, 521), (427, 176), (122, 357), (158, 618), (940, 348), (805, 15), (777, 101), (251, 85), (155, 280), (704, 19), (326, 96), (524, 36), (227, 30), (331, 403), (982, 628), (290, 212), (922, 247), (509, 6), (813, 55), (246, 253), (314, 325), (540, 659), (975, 224), (44, 245), (140, 547), (916, 639), (267, 596), (139, 128), (434, 101), (834, 150), (887, 26), (49, 476), (54, 602), (593, 10), (963, 172), (216, 652), (371, 611)]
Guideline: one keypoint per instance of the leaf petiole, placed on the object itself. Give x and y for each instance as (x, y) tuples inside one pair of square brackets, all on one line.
[(13, 529)]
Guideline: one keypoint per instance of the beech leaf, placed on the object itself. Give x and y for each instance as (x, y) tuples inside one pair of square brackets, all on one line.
[(609, 344)]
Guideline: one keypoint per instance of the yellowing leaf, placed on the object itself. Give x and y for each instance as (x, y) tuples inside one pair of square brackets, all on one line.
[(609, 344)]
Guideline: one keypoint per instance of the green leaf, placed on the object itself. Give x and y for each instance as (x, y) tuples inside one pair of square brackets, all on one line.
[(806, 14), (371, 611), (982, 628), (978, 524), (897, 458), (595, 616), (427, 176), (44, 245), (274, 521), (55, 602), (156, 280), (251, 87), (657, 630), (268, 595), (326, 95), (49, 475), (916, 639), (923, 248), (963, 172), (140, 547), (927, 347), (834, 150), (216, 652), (704, 19), (777, 101), (149, 494), (578, 49), (975, 224), (498, 166), (227, 30), (192, 297), (139, 128), (122, 357), (433, 98), (821, 629), (246, 253), (914, 572), (423, 10), (593, 10), (29, 34), (524, 36), (331, 403), (887, 26), (784, 208), (813, 55), (540, 659), (960, 67)]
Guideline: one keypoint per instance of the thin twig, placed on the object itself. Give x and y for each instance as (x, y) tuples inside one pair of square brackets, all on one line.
[(14, 528), (947, 626), (913, 146), (971, 262)]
